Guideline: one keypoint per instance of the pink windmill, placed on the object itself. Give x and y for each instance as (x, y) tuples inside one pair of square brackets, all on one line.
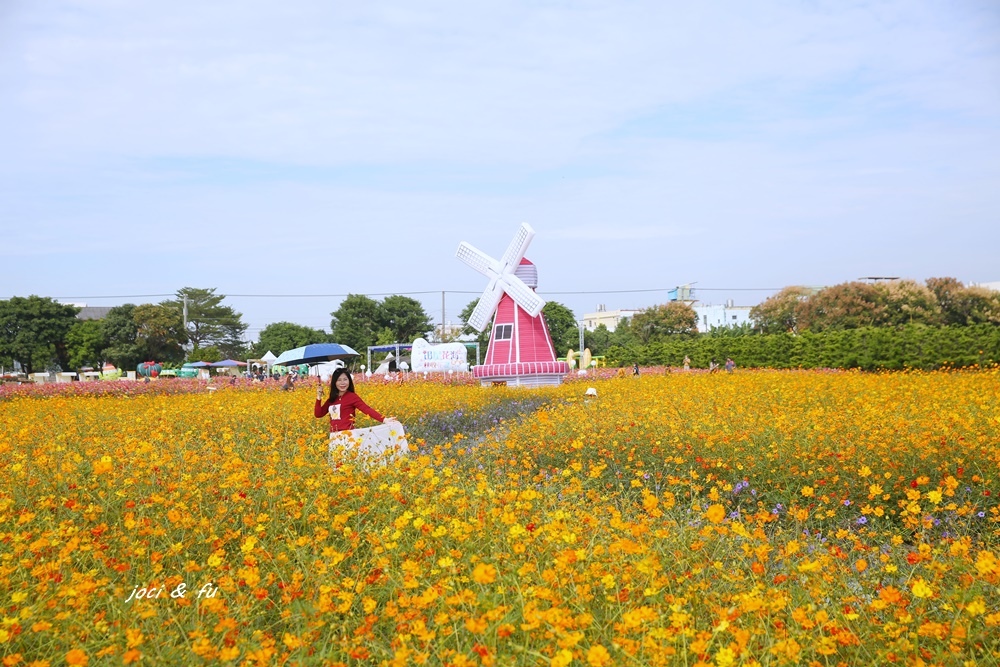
[(520, 350)]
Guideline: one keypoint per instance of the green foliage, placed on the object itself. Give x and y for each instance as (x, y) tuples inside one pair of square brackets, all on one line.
[(33, 331), (662, 321), (915, 346), (209, 322), (405, 318), (211, 354), (86, 342), (598, 340), (943, 301), (279, 337), (779, 313), (121, 333), (361, 321), (562, 326), (356, 322), (159, 333), (148, 332)]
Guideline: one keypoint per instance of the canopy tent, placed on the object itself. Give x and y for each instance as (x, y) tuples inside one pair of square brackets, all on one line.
[(228, 366), (264, 362)]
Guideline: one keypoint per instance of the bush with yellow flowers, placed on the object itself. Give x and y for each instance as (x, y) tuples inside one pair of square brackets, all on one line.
[(759, 518)]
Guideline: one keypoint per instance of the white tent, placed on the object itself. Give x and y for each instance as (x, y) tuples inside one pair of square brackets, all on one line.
[(325, 370)]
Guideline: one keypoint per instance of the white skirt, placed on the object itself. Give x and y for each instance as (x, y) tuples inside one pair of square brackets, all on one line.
[(382, 443)]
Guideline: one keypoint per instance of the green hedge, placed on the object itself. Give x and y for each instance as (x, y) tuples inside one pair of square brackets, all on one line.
[(868, 348)]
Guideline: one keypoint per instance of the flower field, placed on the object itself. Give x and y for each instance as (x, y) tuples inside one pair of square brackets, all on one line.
[(759, 518)]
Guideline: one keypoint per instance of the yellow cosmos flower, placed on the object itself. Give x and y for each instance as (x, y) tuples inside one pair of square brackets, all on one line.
[(716, 513), (920, 589)]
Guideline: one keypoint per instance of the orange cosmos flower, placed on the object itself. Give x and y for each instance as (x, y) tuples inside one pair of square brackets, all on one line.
[(76, 657)]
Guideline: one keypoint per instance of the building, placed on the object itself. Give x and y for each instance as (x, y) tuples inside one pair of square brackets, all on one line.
[(609, 318), (90, 312), (726, 315), (709, 316)]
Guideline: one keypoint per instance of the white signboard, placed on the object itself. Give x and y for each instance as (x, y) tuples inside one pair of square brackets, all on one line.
[(427, 358)]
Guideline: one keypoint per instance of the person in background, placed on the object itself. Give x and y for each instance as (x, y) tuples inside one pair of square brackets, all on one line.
[(687, 363), (730, 365), (635, 369)]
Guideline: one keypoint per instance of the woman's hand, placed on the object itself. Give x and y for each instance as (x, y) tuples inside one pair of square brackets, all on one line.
[(319, 389)]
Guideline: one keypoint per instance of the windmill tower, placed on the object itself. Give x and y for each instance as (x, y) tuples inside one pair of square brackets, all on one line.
[(520, 352)]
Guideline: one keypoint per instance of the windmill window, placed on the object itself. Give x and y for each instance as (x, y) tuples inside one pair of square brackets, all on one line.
[(504, 332)]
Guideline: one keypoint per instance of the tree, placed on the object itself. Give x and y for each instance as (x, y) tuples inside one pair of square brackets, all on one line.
[(405, 317), (356, 322), (562, 326), (948, 292), (208, 321), (85, 343), (33, 331), (910, 303), (361, 321), (149, 332), (121, 333), (598, 340), (844, 306), (961, 305), (659, 322), (211, 354), (160, 333), (282, 336), (778, 312)]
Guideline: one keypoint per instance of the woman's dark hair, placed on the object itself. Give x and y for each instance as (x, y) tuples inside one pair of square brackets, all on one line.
[(333, 382)]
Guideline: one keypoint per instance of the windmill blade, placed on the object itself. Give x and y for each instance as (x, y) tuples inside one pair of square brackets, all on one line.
[(523, 295), (478, 259), (482, 314), (515, 251)]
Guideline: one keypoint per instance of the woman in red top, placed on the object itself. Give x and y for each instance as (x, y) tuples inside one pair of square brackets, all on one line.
[(342, 403)]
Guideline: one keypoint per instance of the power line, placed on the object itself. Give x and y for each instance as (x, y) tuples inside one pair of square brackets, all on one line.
[(327, 296)]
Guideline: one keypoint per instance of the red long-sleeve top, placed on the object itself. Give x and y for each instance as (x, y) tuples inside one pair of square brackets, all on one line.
[(341, 411)]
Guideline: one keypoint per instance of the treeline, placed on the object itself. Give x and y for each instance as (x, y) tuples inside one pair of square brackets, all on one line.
[(915, 346), (887, 325)]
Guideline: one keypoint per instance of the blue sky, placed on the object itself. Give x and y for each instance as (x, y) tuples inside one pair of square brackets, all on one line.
[(333, 148)]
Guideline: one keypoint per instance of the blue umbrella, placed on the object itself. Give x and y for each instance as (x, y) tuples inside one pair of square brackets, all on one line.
[(197, 364), (228, 363), (314, 354)]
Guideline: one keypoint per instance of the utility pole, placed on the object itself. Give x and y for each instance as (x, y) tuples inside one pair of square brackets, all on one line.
[(441, 338)]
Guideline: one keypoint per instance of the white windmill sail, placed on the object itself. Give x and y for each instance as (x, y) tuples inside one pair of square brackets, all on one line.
[(502, 278)]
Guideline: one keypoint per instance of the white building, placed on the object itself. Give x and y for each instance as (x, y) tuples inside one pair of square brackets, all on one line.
[(609, 318), (726, 315), (709, 316)]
